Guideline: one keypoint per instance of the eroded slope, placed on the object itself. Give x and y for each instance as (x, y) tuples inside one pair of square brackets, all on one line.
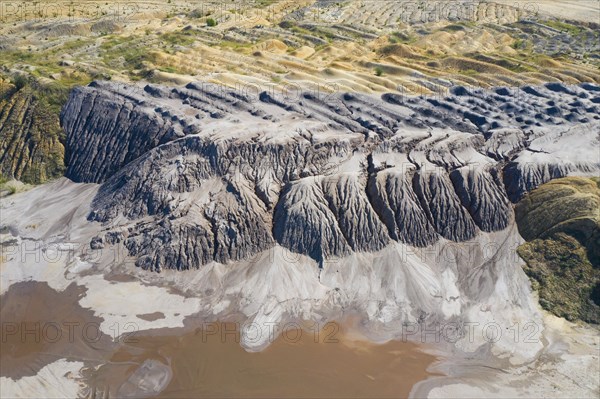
[(205, 173)]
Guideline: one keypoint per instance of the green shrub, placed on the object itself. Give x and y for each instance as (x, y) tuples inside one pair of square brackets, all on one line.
[(20, 81), (211, 22), (519, 44)]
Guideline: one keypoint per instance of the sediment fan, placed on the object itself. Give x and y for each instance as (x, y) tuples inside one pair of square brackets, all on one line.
[(204, 173)]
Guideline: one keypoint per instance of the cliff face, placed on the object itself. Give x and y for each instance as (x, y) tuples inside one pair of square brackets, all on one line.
[(201, 173)]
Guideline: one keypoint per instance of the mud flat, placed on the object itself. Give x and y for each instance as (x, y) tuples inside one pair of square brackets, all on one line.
[(47, 337), (41, 325), (568, 366), (209, 362)]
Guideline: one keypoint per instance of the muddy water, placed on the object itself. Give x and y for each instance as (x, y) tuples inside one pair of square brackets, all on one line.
[(205, 361), (297, 364), (40, 325)]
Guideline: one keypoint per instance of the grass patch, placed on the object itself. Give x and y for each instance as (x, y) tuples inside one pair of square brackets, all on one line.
[(54, 95), (8, 189), (469, 72), (181, 38), (316, 32), (573, 30), (399, 37), (127, 51), (519, 44), (300, 30), (75, 45), (263, 3), (17, 56), (563, 276), (229, 44)]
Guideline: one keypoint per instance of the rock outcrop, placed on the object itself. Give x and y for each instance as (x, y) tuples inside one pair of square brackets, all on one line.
[(207, 173)]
